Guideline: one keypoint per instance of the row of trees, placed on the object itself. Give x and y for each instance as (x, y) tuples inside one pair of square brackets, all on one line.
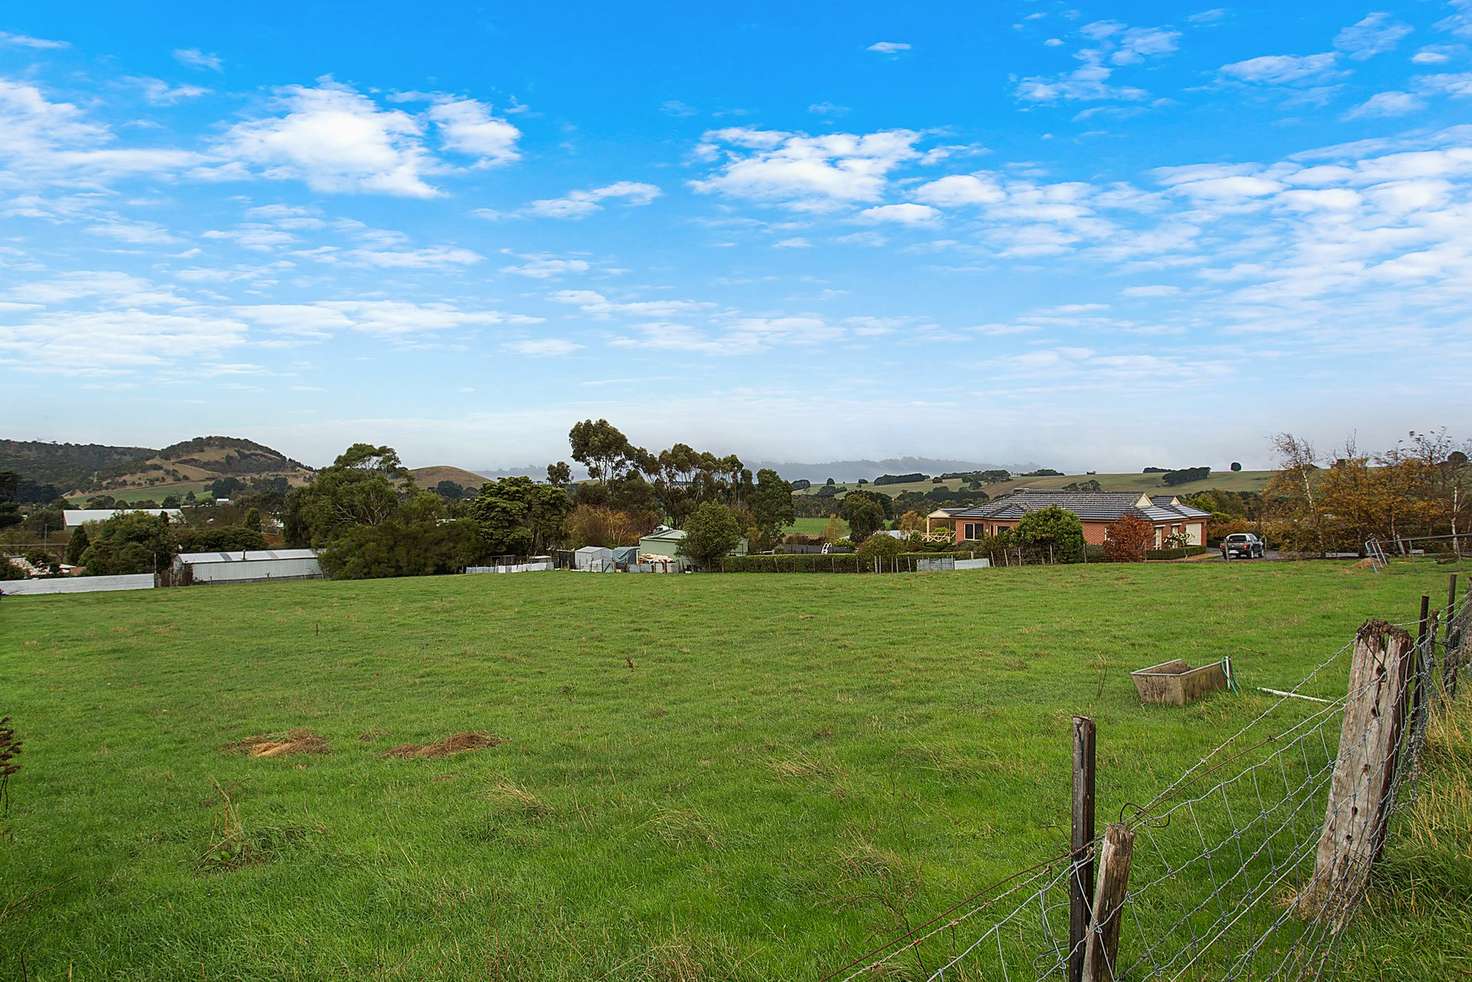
[(1336, 502), (367, 518)]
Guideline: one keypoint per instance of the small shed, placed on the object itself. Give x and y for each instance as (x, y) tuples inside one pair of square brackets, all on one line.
[(77, 517), (596, 559), (625, 555), (248, 565), (665, 541)]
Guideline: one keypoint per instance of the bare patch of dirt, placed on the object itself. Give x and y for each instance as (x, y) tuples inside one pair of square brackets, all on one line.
[(298, 741), (457, 743)]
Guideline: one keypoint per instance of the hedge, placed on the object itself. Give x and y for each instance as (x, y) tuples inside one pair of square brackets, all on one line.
[(1177, 553)]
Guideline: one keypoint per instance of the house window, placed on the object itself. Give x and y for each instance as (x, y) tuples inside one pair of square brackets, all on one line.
[(972, 531)]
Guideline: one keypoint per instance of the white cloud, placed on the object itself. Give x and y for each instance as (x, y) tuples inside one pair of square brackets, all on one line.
[(1375, 34), (888, 47), (335, 140), (1281, 69), (194, 58), (581, 204), (106, 287), (1212, 16), (1436, 54), (114, 341), (1460, 21), (1138, 43), (1386, 104), (543, 347), (1457, 85), (161, 93), (1154, 290), (34, 43), (797, 242), (391, 318), (904, 214), (960, 189), (596, 304), (133, 233), (803, 172), (467, 126), (1114, 44), (547, 267)]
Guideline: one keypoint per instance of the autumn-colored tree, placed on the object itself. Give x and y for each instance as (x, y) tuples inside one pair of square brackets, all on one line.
[(590, 525), (834, 530), (912, 521), (1128, 538)]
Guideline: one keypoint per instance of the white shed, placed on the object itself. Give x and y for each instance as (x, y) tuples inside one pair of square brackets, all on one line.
[(75, 517), (596, 559), (249, 565)]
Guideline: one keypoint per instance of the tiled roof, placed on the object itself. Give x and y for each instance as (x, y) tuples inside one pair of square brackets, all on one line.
[(1090, 506)]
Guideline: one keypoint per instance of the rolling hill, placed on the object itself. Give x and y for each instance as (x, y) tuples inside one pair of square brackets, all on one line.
[(127, 472), (428, 477)]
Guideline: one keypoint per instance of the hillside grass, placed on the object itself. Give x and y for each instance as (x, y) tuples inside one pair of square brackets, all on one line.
[(813, 526), (702, 776), (1216, 481)]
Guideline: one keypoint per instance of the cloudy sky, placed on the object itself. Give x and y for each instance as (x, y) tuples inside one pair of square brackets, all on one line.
[(1091, 235)]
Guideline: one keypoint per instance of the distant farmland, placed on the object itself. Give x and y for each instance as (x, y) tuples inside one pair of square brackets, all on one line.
[(1218, 481)]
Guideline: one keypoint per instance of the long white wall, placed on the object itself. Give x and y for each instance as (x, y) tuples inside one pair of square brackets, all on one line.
[(78, 584), (265, 569)]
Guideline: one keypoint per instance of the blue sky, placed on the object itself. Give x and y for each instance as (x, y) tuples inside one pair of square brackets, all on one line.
[(1086, 234)]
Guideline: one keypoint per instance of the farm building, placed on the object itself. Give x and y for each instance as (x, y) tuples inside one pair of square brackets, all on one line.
[(248, 565), (625, 555), (596, 559), (1096, 510), (77, 517), (665, 541)]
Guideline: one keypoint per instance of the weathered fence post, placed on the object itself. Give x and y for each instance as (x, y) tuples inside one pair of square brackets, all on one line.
[(1451, 652), (1081, 882), (1101, 950), (1364, 771)]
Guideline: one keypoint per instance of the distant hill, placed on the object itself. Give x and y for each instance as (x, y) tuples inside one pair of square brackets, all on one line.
[(849, 471), (190, 465), (66, 465), (428, 477)]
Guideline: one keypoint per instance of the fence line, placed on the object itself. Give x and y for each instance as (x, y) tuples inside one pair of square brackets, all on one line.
[(1250, 862)]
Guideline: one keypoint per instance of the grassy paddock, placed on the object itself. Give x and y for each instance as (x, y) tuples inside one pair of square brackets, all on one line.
[(702, 776)]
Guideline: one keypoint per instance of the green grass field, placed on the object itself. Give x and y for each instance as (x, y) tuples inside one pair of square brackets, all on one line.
[(718, 777), (813, 526), (1217, 481)]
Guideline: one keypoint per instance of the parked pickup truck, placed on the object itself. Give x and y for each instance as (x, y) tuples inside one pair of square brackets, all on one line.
[(1242, 545)]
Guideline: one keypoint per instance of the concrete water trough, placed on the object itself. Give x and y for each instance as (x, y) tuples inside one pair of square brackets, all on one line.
[(1175, 683)]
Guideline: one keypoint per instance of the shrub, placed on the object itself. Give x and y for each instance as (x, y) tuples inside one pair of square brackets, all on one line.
[(1128, 539), (881, 547), (1179, 552), (1057, 528)]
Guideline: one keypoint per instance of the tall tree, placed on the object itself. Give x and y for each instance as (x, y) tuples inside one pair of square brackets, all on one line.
[(600, 447), (771, 504)]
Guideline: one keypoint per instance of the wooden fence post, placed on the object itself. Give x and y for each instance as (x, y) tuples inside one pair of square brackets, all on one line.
[(1451, 652), (1101, 951), (1369, 741), (1081, 882)]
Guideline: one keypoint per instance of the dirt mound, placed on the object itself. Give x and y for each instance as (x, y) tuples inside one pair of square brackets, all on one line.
[(458, 743), (298, 741)]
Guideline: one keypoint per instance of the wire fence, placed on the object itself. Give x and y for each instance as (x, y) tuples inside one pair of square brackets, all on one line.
[(1247, 866)]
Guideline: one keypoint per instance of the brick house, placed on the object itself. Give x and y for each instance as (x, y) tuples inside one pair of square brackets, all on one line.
[(1096, 510)]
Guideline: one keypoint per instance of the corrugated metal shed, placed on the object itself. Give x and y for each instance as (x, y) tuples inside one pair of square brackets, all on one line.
[(250, 564), (595, 558)]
